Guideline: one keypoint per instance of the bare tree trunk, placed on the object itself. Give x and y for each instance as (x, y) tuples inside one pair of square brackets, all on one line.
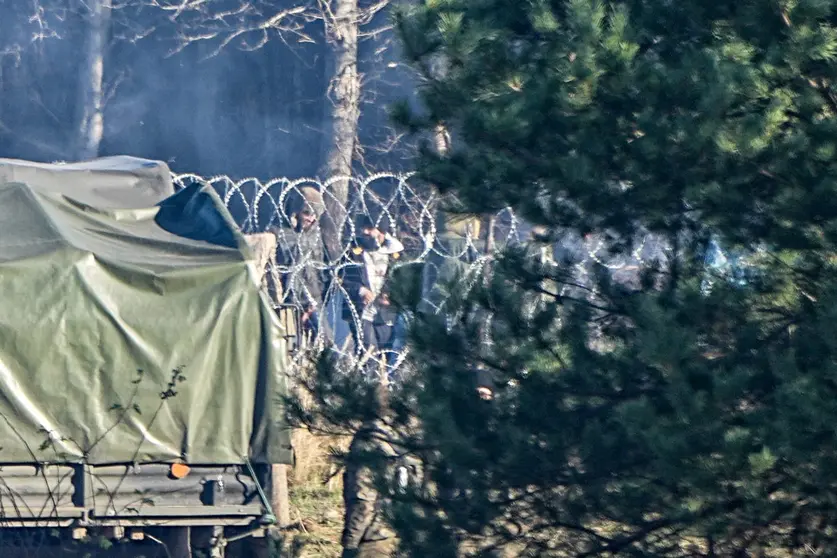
[(344, 111), (92, 124), (280, 499)]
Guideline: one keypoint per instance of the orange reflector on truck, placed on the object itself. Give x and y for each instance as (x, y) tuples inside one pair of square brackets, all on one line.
[(179, 470)]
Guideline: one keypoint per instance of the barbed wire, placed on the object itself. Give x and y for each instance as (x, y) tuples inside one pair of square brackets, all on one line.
[(407, 213)]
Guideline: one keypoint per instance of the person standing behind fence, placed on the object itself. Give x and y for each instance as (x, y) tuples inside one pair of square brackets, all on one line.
[(457, 246), (301, 253), (363, 279), (387, 328)]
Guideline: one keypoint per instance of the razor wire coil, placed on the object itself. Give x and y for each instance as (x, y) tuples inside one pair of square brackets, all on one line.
[(258, 206)]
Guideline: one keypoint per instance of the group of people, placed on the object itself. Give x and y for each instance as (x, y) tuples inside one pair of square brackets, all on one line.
[(363, 275), (375, 325)]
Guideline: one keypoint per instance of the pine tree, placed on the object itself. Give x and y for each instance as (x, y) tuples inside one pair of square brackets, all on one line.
[(669, 416)]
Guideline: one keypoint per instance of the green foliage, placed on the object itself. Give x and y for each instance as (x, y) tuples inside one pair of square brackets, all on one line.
[(653, 419), (104, 543)]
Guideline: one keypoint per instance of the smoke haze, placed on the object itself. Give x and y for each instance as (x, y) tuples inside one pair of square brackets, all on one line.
[(241, 113)]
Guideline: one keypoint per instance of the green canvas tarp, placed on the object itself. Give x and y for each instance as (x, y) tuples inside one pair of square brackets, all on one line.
[(107, 286)]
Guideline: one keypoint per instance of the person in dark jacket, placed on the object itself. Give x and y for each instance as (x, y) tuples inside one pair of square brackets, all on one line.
[(363, 278), (386, 330), (300, 252)]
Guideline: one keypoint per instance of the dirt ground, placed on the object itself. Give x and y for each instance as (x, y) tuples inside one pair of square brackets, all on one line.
[(319, 513)]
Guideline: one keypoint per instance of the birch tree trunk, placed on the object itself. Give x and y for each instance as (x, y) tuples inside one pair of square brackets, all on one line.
[(91, 128), (343, 112)]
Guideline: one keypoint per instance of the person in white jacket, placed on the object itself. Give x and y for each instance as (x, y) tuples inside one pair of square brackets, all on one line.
[(363, 278)]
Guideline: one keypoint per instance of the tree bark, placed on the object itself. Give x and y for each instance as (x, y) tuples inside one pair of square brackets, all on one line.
[(92, 124), (343, 112), (280, 499)]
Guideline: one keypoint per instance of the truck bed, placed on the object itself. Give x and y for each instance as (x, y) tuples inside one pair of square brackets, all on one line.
[(127, 496)]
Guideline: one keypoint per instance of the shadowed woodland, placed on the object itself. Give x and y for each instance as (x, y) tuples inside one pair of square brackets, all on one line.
[(234, 87)]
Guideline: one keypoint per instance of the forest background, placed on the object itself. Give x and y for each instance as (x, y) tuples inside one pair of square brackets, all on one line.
[(236, 87)]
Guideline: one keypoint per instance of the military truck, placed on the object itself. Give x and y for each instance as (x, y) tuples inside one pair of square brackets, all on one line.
[(142, 368)]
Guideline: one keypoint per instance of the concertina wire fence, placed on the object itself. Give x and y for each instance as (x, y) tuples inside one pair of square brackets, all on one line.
[(259, 207)]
